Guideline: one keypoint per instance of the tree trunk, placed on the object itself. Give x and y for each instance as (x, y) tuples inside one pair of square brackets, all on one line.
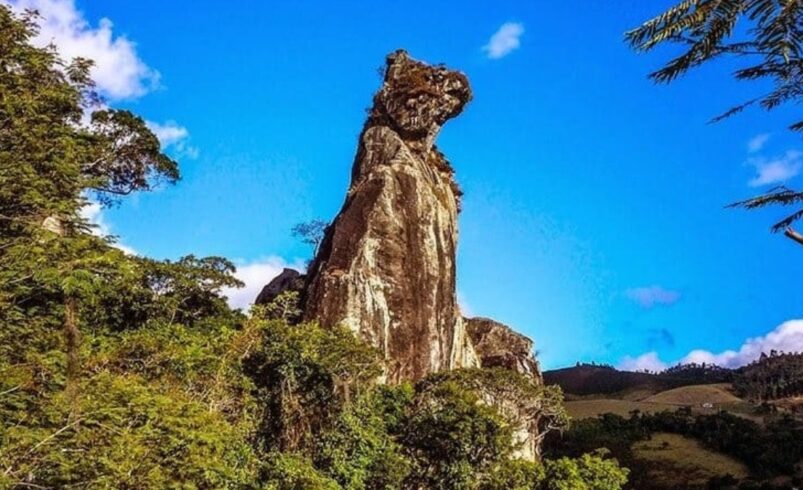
[(72, 340), (792, 234)]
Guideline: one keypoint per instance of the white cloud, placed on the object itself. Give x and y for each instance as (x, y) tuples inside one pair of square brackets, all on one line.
[(651, 296), (505, 40), (786, 337), (118, 71), (174, 137), (648, 361), (757, 142), (93, 213), (168, 133), (775, 170), (256, 275)]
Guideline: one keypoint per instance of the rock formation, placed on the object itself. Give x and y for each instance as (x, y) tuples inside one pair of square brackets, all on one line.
[(288, 280), (386, 266), (497, 345)]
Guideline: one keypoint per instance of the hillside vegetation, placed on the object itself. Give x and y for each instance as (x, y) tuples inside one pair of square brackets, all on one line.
[(674, 461), (693, 435)]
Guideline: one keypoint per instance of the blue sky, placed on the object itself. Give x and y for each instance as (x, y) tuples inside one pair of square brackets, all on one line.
[(593, 219)]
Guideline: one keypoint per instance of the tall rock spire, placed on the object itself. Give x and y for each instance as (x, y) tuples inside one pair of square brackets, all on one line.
[(386, 267)]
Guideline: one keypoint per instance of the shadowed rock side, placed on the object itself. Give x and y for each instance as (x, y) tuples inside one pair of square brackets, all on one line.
[(386, 267), (288, 280), (497, 345)]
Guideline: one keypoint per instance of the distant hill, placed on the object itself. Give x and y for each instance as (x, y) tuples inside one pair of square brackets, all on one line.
[(592, 379), (771, 377), (588, 379)]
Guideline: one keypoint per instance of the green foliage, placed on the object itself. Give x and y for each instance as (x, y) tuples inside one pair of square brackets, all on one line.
[(514, 474), (770, 377), (304, 373), (769, 450), (125, 156), (358, 450), (144, 290), (453, 438), (293, 472), (584, 473), (777, 196), (126, 434), (285, 307), (311, 232)]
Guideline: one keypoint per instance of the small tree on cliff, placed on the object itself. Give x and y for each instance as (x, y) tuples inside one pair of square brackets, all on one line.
[(311, 232), (771, 46)]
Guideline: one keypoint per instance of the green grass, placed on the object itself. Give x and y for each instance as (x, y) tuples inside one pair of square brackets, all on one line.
[(582, 409), (696, 395), (678, 462)]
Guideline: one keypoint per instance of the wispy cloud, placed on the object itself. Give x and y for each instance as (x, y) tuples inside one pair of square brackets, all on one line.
[(174, 137), (504, 41), (786, 337), (652, 296), (119, 72), (256, 275), (757, 142), (775, 170)]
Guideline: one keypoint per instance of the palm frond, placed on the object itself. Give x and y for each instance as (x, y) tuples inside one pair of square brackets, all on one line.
[(780, 195), (786, 222)]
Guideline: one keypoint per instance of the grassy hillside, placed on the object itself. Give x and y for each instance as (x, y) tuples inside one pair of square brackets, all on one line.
[(581, 409), (702, 399), (592, 379), (674, 461), (696, 395)]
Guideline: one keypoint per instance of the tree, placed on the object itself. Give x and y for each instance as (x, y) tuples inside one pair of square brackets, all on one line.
[(304, 375), (311, 232), (770, 43), (49, 159)]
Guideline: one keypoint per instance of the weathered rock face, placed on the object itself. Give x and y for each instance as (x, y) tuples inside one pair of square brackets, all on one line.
[(288, 280), (386, 267), (497, 345)]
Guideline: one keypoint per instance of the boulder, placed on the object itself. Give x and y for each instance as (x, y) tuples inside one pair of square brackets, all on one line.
[(287, 280)]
